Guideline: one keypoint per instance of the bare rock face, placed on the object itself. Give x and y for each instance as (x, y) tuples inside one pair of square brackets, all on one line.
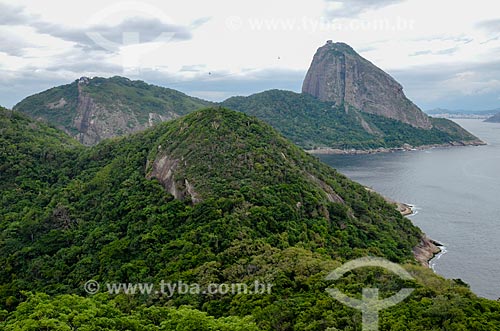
[(93, 109), (165, 168), (426, 250), (331, 195), (341, 75), (96, 121)]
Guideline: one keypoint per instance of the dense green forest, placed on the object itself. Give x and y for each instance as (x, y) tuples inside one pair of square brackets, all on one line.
[(251, 206), (134, 99), (311, 123)]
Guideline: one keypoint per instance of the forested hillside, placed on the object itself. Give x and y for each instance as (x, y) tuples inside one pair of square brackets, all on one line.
[(91, 110), (212, 197), (311, 123)]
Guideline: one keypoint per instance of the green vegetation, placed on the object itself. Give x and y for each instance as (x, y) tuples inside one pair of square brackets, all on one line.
[(311, 123), (137, 96), (135, 100), (56, 105), (267, 211), (71, 312)]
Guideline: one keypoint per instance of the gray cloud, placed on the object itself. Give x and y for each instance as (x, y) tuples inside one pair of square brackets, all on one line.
[(13, 45), (426, 52), (447, 51), (441, 72), (15, 86), (352, 8), (148, 29), (459, 40), (13, 15), (194, 68), (220, 85), (10, 43), (474, 86), (73, 62), (199, 22), (79, 66), (490, 25)]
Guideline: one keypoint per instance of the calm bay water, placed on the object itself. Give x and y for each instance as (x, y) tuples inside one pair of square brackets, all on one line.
[(456, 192)]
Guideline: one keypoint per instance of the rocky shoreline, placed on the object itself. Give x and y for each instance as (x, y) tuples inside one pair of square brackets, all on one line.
[(405, 147), (427, 248), (403, 208)]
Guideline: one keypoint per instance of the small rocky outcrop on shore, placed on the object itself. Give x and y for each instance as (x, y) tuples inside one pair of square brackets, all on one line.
[(426, 250)]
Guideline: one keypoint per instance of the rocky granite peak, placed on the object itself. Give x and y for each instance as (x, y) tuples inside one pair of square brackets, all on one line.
[(340, 75)]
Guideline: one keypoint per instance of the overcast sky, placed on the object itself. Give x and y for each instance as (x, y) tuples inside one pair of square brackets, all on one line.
[(444, 52)]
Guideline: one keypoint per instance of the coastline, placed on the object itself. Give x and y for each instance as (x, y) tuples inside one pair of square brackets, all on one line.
[(427, 249), (405, 147), (404, 208)]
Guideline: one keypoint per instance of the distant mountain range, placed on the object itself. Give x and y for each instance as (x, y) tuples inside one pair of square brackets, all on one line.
[(461, 113), (494, 119), (347, 103)]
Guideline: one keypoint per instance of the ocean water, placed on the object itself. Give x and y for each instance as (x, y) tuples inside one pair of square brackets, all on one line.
[(456, 194)]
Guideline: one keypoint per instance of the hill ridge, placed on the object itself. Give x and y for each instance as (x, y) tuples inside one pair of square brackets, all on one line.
[(93, 109), (314, 124)]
